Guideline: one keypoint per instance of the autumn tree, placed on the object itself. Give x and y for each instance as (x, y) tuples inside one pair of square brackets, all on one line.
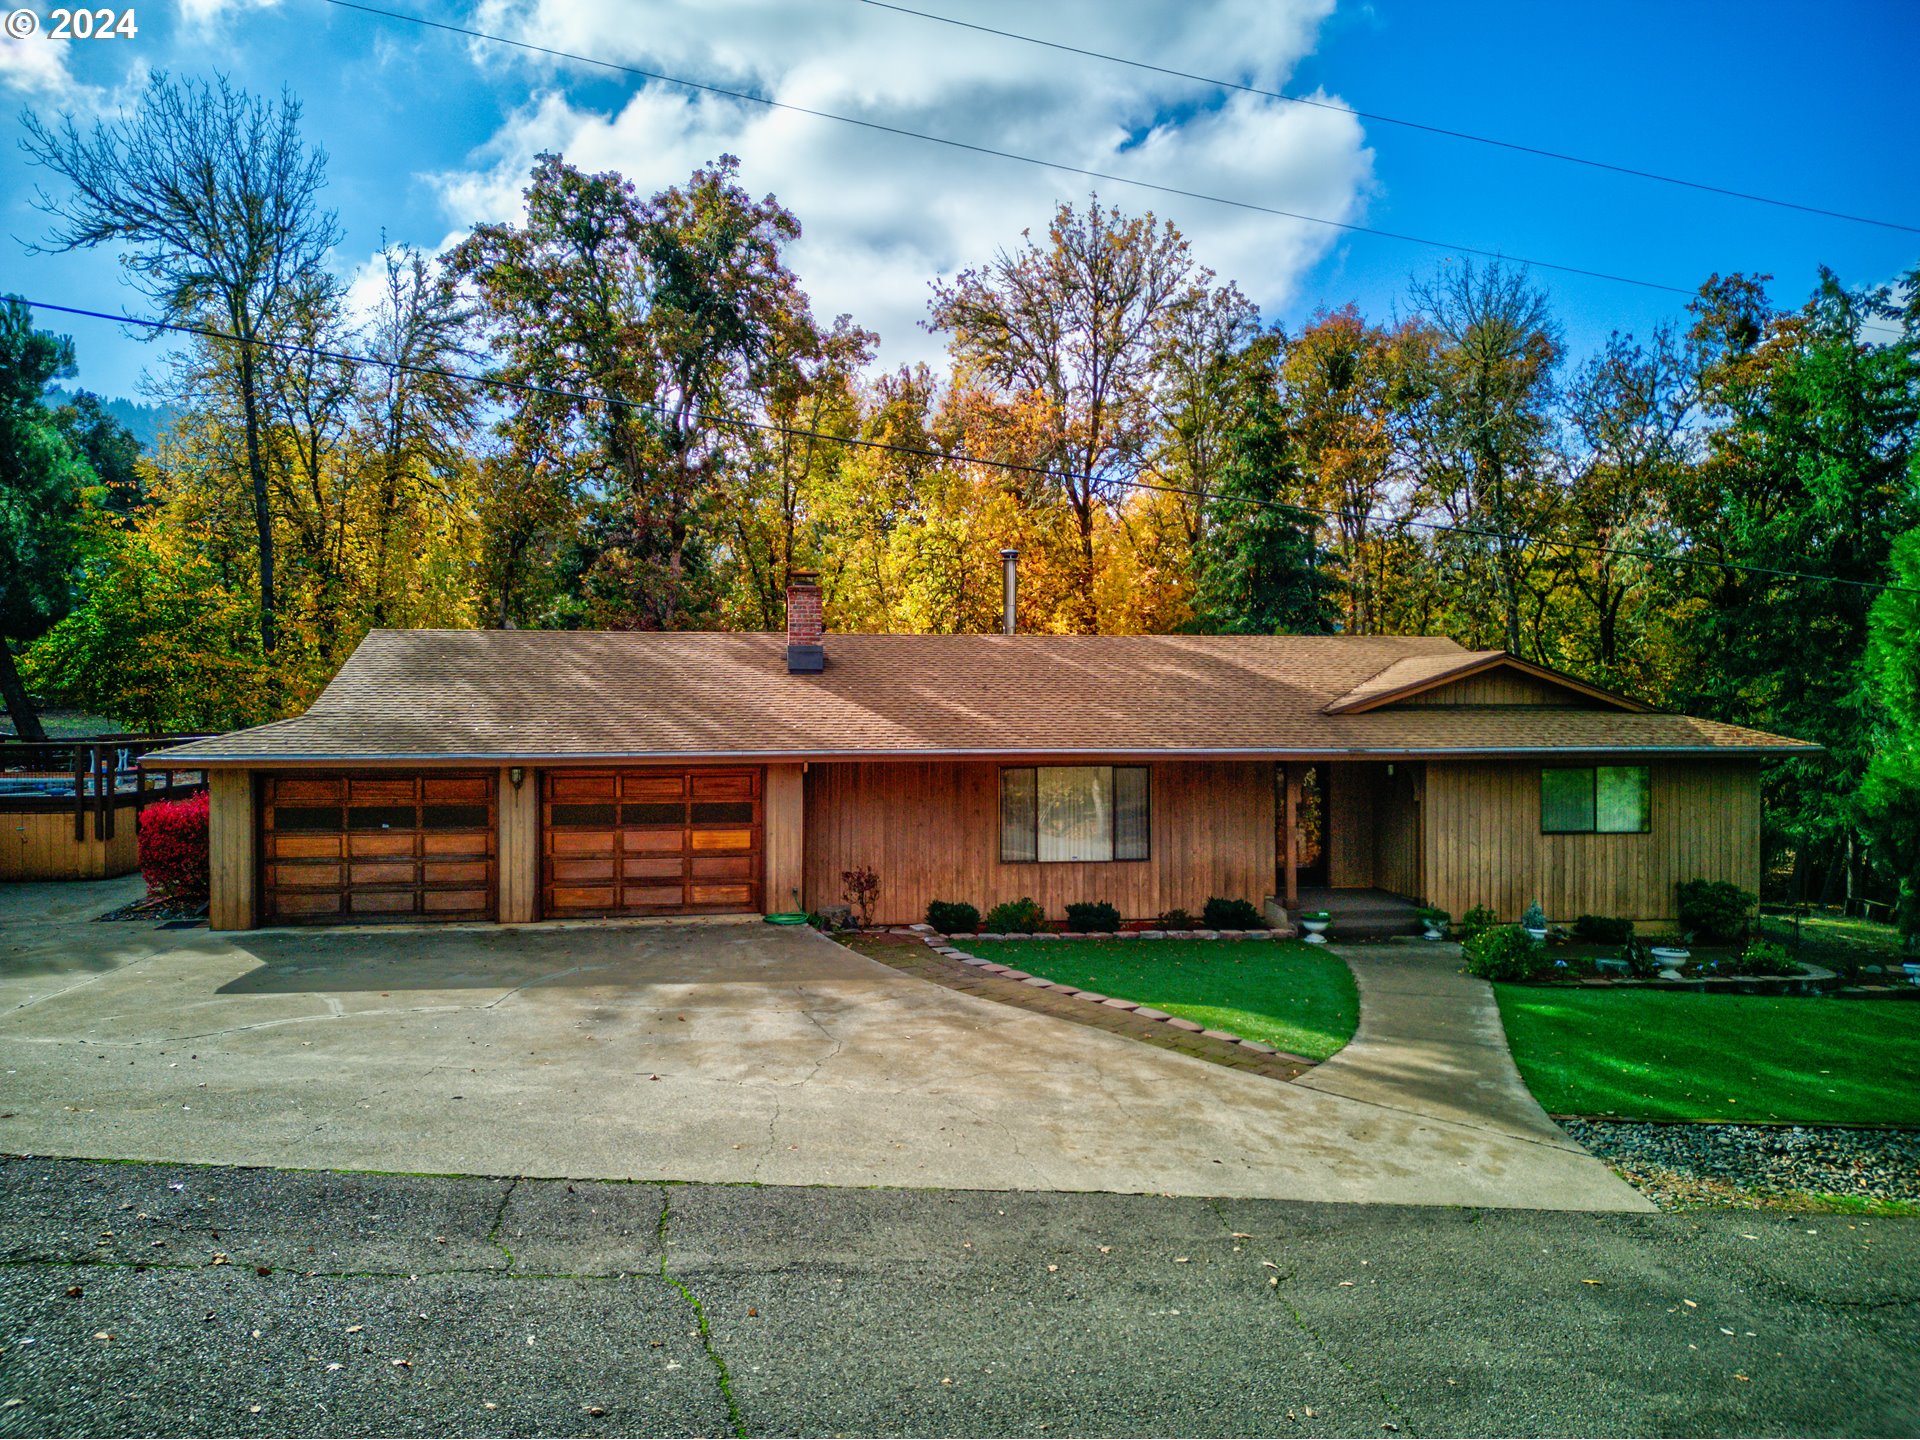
[(216, 200), (1343, 384), (1484, 441), (638, 329), (1077, 328)]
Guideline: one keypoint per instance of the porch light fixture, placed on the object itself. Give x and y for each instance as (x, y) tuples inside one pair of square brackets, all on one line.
[(516, 776)]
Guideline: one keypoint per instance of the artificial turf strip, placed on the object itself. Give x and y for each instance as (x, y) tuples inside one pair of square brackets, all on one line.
[(1291, 996), (1675, 1055)]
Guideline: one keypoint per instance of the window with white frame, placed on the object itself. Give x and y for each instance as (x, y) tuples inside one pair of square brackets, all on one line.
[(1051, 813)]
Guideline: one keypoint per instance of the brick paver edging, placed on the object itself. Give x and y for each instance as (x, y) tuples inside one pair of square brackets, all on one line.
[(943, 945)]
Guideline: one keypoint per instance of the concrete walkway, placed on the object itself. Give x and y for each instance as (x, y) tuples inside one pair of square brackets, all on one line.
[(1430, 1043), (721, 1052)]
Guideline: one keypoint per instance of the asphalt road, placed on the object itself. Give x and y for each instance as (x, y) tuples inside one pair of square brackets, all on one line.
[(217, 1300)]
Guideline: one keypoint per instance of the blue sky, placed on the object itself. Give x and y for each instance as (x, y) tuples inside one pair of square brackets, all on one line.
[(429, 133)]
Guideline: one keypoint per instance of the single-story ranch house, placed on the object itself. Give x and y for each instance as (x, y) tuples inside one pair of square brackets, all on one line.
[(548, 775)]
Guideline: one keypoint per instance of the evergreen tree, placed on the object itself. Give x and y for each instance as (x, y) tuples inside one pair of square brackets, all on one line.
[(41, 483), (1259, 568)]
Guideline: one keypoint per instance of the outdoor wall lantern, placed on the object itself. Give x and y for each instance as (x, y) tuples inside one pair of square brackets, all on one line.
[(516, 775)]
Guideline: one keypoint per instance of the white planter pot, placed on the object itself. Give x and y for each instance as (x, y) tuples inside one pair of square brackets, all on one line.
[(1316, 931), (1434, 932), (1539, 934), (1671, 954)]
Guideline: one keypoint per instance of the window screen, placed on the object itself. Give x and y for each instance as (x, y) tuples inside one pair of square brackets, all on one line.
[(1052, 813), (1566, 801), (1621, 799), (1605, 800), (1017, 841), (1131, 815)]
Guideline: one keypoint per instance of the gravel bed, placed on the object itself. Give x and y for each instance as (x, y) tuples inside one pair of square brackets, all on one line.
[(1750, 1165)]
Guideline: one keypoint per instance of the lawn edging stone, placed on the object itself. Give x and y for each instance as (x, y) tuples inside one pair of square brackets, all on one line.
[(945, 947)]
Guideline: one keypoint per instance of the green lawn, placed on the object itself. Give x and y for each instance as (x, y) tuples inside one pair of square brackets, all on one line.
[(1291, 996), (1668, 1055)]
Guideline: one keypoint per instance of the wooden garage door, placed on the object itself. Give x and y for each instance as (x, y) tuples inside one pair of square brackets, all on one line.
[(349, 849), (650, 842)]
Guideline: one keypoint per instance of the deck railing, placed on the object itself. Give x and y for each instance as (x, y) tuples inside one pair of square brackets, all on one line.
[(95, 775)]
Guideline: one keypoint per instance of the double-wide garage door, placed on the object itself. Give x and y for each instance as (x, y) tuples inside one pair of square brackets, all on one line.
[(650, 842), (340, 849)]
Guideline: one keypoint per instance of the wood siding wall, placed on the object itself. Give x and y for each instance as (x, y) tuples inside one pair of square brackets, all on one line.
[(932, 831), (1351, 794), (232, 836), (785, 819), (1497, 687), (1484, 846), (39, 845), (1397, 831), (519, 849)]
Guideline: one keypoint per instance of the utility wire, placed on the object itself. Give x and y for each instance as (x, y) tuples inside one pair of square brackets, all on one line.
[(1392, 120), (946, 456), (874, 125)]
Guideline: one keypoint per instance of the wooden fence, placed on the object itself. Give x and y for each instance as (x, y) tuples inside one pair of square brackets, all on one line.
[(95, 775)]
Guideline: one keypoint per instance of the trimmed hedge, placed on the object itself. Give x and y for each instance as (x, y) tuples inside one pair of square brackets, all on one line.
[(1603, 929), (1222, 914), (173, 849), (953, 917), (1015, 917), (1714, 912), (1093, 917)]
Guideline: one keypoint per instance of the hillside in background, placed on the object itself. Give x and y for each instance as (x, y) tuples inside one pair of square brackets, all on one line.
[(145, 421)]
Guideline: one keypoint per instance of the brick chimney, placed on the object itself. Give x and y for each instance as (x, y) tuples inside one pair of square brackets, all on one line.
[(806, 624)]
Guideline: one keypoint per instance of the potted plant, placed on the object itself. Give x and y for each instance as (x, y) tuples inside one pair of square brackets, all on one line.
[(1673, 954), (1534, 921), (1435, 920), (1315, 923)]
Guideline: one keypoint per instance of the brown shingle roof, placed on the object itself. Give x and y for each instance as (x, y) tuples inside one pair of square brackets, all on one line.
[(551, 695)]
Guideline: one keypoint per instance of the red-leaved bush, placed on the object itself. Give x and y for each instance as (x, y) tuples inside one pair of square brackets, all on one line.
[(173, 848)]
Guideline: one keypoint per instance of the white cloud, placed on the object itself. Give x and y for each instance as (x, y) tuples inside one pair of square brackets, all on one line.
[(36, 67), (883, 215)]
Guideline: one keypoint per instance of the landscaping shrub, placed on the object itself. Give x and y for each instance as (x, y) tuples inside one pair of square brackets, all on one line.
[(1178, 919), (1506, 952), (1603, 929), (1232, 915), (1091, 917), (1713, 911), (173, 848), (862, 889), (1533, 917), (953, 917), (1763, 957), (1015, 917), (1477, 920)]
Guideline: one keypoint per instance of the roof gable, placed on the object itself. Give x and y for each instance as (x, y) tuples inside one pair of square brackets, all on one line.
[(1476, 678)]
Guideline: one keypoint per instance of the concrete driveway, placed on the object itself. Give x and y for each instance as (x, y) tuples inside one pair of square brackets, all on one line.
[(723, 1052)]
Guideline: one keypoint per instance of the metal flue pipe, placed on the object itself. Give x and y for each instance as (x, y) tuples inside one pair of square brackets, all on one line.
[(1009, 589)]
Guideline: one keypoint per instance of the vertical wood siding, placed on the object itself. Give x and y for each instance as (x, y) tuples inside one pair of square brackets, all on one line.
[(1397, 831), (1484, 847), (519, 847), (1497, 687), (39, 845), (932, 831), (1351, 794), (231, 842), (785, 843)]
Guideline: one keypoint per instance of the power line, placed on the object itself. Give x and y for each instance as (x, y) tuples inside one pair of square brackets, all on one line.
[(1348, 226), (949, 457), (967, 146), (1393, 120)]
